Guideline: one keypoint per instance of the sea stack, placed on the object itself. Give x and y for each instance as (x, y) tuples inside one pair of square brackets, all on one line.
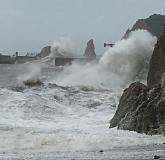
[(45, 51), (90, 50)]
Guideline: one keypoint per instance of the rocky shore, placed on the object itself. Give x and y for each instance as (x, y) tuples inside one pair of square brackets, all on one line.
[(142, 107)]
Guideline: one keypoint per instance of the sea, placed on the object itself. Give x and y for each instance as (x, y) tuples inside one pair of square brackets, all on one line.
[(55, 121), (67, 115)]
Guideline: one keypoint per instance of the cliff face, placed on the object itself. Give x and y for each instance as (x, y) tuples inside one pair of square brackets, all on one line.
[(157, 62), (154, 24), (128, 102), (142, 108), (5, 59)]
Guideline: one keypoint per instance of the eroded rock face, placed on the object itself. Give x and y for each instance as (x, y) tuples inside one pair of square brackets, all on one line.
[(90, 50), (157, 62), (154, 24), (32, 83), (142, 108), (128, 102)]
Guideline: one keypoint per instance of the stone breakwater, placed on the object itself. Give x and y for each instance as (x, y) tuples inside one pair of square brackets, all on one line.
[(6, 59)]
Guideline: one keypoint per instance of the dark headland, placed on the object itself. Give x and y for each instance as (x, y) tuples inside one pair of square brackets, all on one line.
[(60, 58), (142, 107)]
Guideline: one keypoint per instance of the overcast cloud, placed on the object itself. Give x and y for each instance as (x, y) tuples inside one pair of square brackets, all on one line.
[(29, 25)]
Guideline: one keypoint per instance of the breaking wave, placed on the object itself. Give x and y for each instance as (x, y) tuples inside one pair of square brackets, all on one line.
[(118, 66)]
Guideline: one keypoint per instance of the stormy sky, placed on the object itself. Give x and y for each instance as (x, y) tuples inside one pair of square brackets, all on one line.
[(29, 25)]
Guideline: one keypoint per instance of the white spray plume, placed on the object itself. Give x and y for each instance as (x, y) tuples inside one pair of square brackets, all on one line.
[(65, 46), (129, 56), (32, 73), (118, 66)]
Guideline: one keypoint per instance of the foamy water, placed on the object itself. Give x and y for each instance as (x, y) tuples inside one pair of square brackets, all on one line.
[(67, 117), (52, 121)]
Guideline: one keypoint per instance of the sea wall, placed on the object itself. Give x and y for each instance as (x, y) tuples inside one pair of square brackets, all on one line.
[(4, 59), (24, 59), (62, 61)]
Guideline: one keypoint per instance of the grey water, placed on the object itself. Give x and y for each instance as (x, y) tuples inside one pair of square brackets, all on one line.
[(64, 122)]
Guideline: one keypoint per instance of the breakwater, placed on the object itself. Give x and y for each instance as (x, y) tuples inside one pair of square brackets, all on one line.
[(6, 59), (62, 61)]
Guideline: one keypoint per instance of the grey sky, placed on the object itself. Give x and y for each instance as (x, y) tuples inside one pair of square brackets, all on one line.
[(28, 25)]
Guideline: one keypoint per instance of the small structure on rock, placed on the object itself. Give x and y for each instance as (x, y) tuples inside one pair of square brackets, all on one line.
[(153, 24)]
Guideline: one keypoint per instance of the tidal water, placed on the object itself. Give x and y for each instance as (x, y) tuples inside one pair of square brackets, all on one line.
[(55, 121)]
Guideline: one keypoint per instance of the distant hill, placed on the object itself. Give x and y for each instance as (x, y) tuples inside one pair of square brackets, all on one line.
[(154, 24)]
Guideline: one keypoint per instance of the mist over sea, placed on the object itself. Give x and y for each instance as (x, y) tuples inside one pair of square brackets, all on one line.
[(67, 116)]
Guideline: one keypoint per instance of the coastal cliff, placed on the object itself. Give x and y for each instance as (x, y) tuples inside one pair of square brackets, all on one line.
[(154, 24), (142, 107), (157, 62)]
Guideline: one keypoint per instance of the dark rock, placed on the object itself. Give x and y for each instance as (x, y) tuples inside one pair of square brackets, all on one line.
[(32, 83), (156, 157), (101, 151), (45, 52), (157, 62), (142, 108), (87, 88), (90, 50), (57, 98), (154, 24), (129, 101)]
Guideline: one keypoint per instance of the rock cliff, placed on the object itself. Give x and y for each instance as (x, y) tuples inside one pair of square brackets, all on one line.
[(154, 24), (142, 108), (157, 62)]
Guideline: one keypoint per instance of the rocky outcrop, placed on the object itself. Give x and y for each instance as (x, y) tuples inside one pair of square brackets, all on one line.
[(128, 102), (142, 108), (32, 83), (90, 50), (45, 52), (154, 24), (157, 62)]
